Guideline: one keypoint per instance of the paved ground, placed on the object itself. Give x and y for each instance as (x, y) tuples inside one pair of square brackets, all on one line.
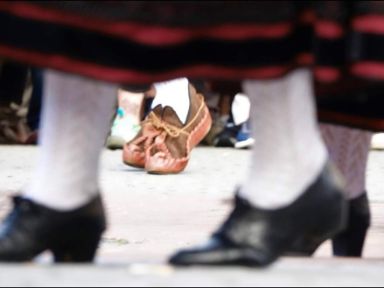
[(152, 216)]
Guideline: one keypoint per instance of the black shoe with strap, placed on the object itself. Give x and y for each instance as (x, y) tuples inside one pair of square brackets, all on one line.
[(31, 229), (350, 242), (257, 237)]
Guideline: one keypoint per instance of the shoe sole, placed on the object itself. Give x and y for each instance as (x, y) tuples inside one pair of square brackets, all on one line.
[(133, 165), (131, 161), (245, 144), (115, 143)]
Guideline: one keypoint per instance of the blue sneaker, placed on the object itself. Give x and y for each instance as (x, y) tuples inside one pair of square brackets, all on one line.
[(123, 130), (243, 137), (227, 137)]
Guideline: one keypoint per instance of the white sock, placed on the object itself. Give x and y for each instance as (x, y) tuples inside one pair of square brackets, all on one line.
[(76, 119), (241, 108), (349, 148), (289, 153), (175, 94)]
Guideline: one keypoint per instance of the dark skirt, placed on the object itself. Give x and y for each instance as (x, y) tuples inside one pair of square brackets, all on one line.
[(140, 42)]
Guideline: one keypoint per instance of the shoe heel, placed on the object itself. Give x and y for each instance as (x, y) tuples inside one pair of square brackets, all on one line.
[(80, 249), (309, 243), (350, 242)]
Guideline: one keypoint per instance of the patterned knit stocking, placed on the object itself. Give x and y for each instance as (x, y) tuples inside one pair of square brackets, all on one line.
[(76, 119), (289, 153), (349, 149)]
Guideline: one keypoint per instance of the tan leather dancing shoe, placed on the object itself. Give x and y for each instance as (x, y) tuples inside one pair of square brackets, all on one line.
[(164, 144)]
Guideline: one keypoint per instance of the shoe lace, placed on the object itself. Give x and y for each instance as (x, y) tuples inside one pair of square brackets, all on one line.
[(170, 129)]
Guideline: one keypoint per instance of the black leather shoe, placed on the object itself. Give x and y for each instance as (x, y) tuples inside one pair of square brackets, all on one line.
[(257, 237), (31, 229), (350, 242)]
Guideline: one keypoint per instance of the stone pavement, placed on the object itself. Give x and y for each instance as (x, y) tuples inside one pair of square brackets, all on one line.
[(285, 273), (152, 216)]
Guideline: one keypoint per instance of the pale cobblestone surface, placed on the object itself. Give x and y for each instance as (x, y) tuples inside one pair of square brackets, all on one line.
[(152, 216)]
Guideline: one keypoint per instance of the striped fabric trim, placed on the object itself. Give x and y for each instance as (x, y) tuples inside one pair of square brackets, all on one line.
[(369, 24), (150, 34), (328, 29), (369, 69), (131, 76), (327, 74)]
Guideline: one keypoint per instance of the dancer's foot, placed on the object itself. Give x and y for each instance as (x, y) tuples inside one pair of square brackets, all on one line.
[(31, 229), (257, 237), (164, 143)]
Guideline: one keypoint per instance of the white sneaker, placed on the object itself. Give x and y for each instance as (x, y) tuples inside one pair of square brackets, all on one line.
[(245, 144), (124, 129)]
